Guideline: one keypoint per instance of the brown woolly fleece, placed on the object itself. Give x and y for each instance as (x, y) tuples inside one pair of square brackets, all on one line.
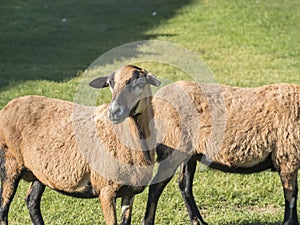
[(71, 148), (236, 127)]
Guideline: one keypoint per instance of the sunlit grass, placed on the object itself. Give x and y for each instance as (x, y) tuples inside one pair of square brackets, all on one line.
[(244, 43)]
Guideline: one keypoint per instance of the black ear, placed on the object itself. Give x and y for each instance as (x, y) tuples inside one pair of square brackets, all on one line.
[(99, 82), (151, 79)]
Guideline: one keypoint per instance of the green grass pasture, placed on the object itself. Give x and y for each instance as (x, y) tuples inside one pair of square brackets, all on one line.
[(46, 45)]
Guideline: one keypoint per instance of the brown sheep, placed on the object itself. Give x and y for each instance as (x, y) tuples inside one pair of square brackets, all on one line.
[(76, 150), (238, 130)]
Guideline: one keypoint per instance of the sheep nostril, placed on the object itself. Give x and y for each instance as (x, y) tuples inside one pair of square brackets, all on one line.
[(115, 110)]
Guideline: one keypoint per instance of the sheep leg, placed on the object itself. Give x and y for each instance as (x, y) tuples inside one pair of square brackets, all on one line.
[(290, 187), (127, 203), (8, 190), (186, 187), (169, 160), (108, 202), (155, 190), (10, 177), (33, 200)]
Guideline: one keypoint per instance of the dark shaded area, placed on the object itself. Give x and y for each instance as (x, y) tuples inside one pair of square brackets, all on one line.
[(256, 223), (262, 166), (54, 40)]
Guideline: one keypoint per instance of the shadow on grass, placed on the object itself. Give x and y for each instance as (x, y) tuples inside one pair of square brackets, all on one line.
[(54, 40), (256, 222), (262, 223)]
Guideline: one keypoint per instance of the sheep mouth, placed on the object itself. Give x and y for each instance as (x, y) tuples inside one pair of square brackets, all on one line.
[(117, 120), (119, 117), (133, 112)]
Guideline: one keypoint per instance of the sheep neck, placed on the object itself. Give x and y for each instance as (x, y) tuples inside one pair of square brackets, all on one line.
[(145, 127)]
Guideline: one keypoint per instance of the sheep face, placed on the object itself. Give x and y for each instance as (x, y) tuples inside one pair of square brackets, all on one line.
[(130, 87)]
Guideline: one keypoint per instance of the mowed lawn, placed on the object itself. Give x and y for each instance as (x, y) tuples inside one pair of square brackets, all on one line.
[(46, 45)]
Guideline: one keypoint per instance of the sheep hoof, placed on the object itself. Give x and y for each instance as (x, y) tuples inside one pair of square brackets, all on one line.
[(291, 223), (144, 223)]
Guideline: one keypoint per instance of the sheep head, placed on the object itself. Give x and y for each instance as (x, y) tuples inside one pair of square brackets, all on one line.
[(130, 87)]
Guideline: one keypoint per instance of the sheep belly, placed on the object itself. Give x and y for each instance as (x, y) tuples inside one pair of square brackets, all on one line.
[(59, 170), (245, 148), (56, 160)]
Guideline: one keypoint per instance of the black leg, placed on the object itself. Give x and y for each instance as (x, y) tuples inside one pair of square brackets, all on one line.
[(290, 188), (127, 204), (155, 190), (8, 191), (10, 177), (33, 200), (186, 187), (169, 159)]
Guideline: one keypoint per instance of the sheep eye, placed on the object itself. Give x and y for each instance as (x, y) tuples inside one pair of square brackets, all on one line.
[(140, 85), (111, 83), (131, 81)]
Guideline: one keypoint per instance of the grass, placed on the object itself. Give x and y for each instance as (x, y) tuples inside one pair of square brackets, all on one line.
[(45, 47)]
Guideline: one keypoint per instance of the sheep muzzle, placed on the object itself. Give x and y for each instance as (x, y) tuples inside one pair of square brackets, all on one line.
[(117, 113)]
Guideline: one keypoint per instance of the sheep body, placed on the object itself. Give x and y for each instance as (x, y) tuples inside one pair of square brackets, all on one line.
[(240, 130), (251, 122), (57, 143)]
